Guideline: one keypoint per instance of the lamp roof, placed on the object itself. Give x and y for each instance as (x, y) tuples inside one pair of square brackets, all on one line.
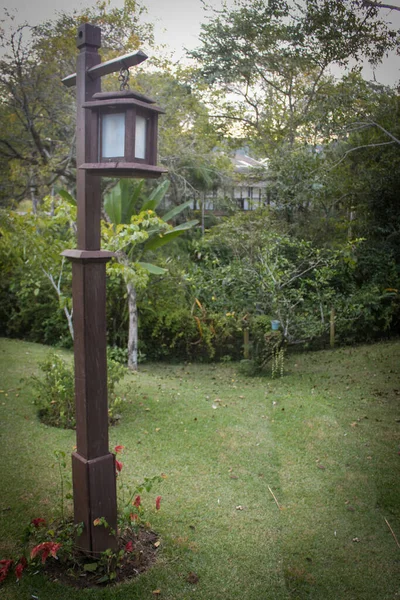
[(126, 97), (123, 94)]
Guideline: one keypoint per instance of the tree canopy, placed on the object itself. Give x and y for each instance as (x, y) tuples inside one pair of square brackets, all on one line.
[(272, 63), (264, 77), (37, 113)]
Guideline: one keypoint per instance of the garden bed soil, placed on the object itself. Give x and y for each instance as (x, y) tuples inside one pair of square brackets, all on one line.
[(140, 559)]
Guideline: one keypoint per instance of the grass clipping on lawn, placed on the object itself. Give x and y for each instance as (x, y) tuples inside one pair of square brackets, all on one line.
[(276, 489)]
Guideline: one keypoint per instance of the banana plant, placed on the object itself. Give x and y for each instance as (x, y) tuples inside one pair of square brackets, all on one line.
[(134, 228)]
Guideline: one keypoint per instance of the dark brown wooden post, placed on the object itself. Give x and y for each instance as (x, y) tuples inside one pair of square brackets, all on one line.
[(246, 343), (332, 328), (93, 466)]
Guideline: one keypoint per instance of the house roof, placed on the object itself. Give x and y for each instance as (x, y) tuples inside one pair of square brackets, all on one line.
[(244, 163), (248, 170)]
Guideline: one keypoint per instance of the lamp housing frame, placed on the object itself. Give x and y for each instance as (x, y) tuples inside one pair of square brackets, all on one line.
[(132, 105)]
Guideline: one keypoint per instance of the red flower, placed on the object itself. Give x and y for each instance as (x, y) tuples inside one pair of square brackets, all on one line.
[(119, 465), (118, 449), (133, 517), (129, 547), (38, 522), (45, 548), (5, 566), (158, 502), (21, 566), (137, 501)]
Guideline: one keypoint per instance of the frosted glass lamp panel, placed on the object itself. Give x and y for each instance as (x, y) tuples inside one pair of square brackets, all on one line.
[(140, 137), (113, 135)]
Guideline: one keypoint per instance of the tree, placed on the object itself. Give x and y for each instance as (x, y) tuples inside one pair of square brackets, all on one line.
[(131, 236), (371, 159), (380, 5), (271, 61), (37, 278), (188, 143), (37, 113), (34, 115), (249, 265)]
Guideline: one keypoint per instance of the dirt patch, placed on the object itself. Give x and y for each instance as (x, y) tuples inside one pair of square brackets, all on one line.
[(143, 555)]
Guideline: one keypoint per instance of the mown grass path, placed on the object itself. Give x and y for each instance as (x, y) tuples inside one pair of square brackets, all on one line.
[(325, 439)]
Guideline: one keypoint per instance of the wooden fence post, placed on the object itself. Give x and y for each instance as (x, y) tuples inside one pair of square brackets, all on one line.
[(332, 328), (246, 343)]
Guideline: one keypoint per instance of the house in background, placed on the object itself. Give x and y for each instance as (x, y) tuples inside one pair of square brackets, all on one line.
[(249, 189), (246, 190)]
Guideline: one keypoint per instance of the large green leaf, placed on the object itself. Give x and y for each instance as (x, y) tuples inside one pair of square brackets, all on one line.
[(176, 210), (154, 269), (159, 241), (90, 566), (113, 205), (156, 196), (67, 197), (130, 193), (186, 225)]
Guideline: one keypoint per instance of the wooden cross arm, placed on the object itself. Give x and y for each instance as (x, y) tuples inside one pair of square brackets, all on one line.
[(110, 66)]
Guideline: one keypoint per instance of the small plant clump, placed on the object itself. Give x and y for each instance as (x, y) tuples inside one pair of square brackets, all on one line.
[(55, 392), (54, 547), (268, 351), (278, 362)]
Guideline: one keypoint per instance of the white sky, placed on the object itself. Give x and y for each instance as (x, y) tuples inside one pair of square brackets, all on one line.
[(177, 23)]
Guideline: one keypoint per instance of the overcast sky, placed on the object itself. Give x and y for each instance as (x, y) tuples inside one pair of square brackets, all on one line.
[(177, 23)]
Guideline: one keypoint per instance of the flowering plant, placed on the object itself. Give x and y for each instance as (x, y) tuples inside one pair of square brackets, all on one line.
[(39, 538), (45, 542), (21, 566), (45, 549), (5, 566), (132, 511)]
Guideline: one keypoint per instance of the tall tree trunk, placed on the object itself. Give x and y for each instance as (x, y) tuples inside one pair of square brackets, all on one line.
[(57, 286), (32, 187), (350, 226), (133, 328)]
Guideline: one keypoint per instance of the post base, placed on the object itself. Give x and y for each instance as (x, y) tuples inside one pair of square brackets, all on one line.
[(95, 497)]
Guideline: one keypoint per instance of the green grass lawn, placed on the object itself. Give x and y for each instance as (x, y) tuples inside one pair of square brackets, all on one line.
[(325, 439)]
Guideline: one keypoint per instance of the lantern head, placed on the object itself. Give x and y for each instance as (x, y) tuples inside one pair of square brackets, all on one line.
[(123, 135)]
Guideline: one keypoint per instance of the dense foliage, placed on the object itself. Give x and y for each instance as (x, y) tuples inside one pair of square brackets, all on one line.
[(329, 238), (54, 392)]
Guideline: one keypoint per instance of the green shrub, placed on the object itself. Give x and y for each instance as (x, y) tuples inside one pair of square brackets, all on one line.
[(368, 314), (119, 355), (227, 338), (54, 392), (190, 334), (175, 335)]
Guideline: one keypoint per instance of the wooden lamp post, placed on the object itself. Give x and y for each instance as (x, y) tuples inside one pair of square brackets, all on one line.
[(116, 136)]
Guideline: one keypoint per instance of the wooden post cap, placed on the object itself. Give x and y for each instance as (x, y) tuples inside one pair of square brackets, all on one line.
[(88, 35)]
